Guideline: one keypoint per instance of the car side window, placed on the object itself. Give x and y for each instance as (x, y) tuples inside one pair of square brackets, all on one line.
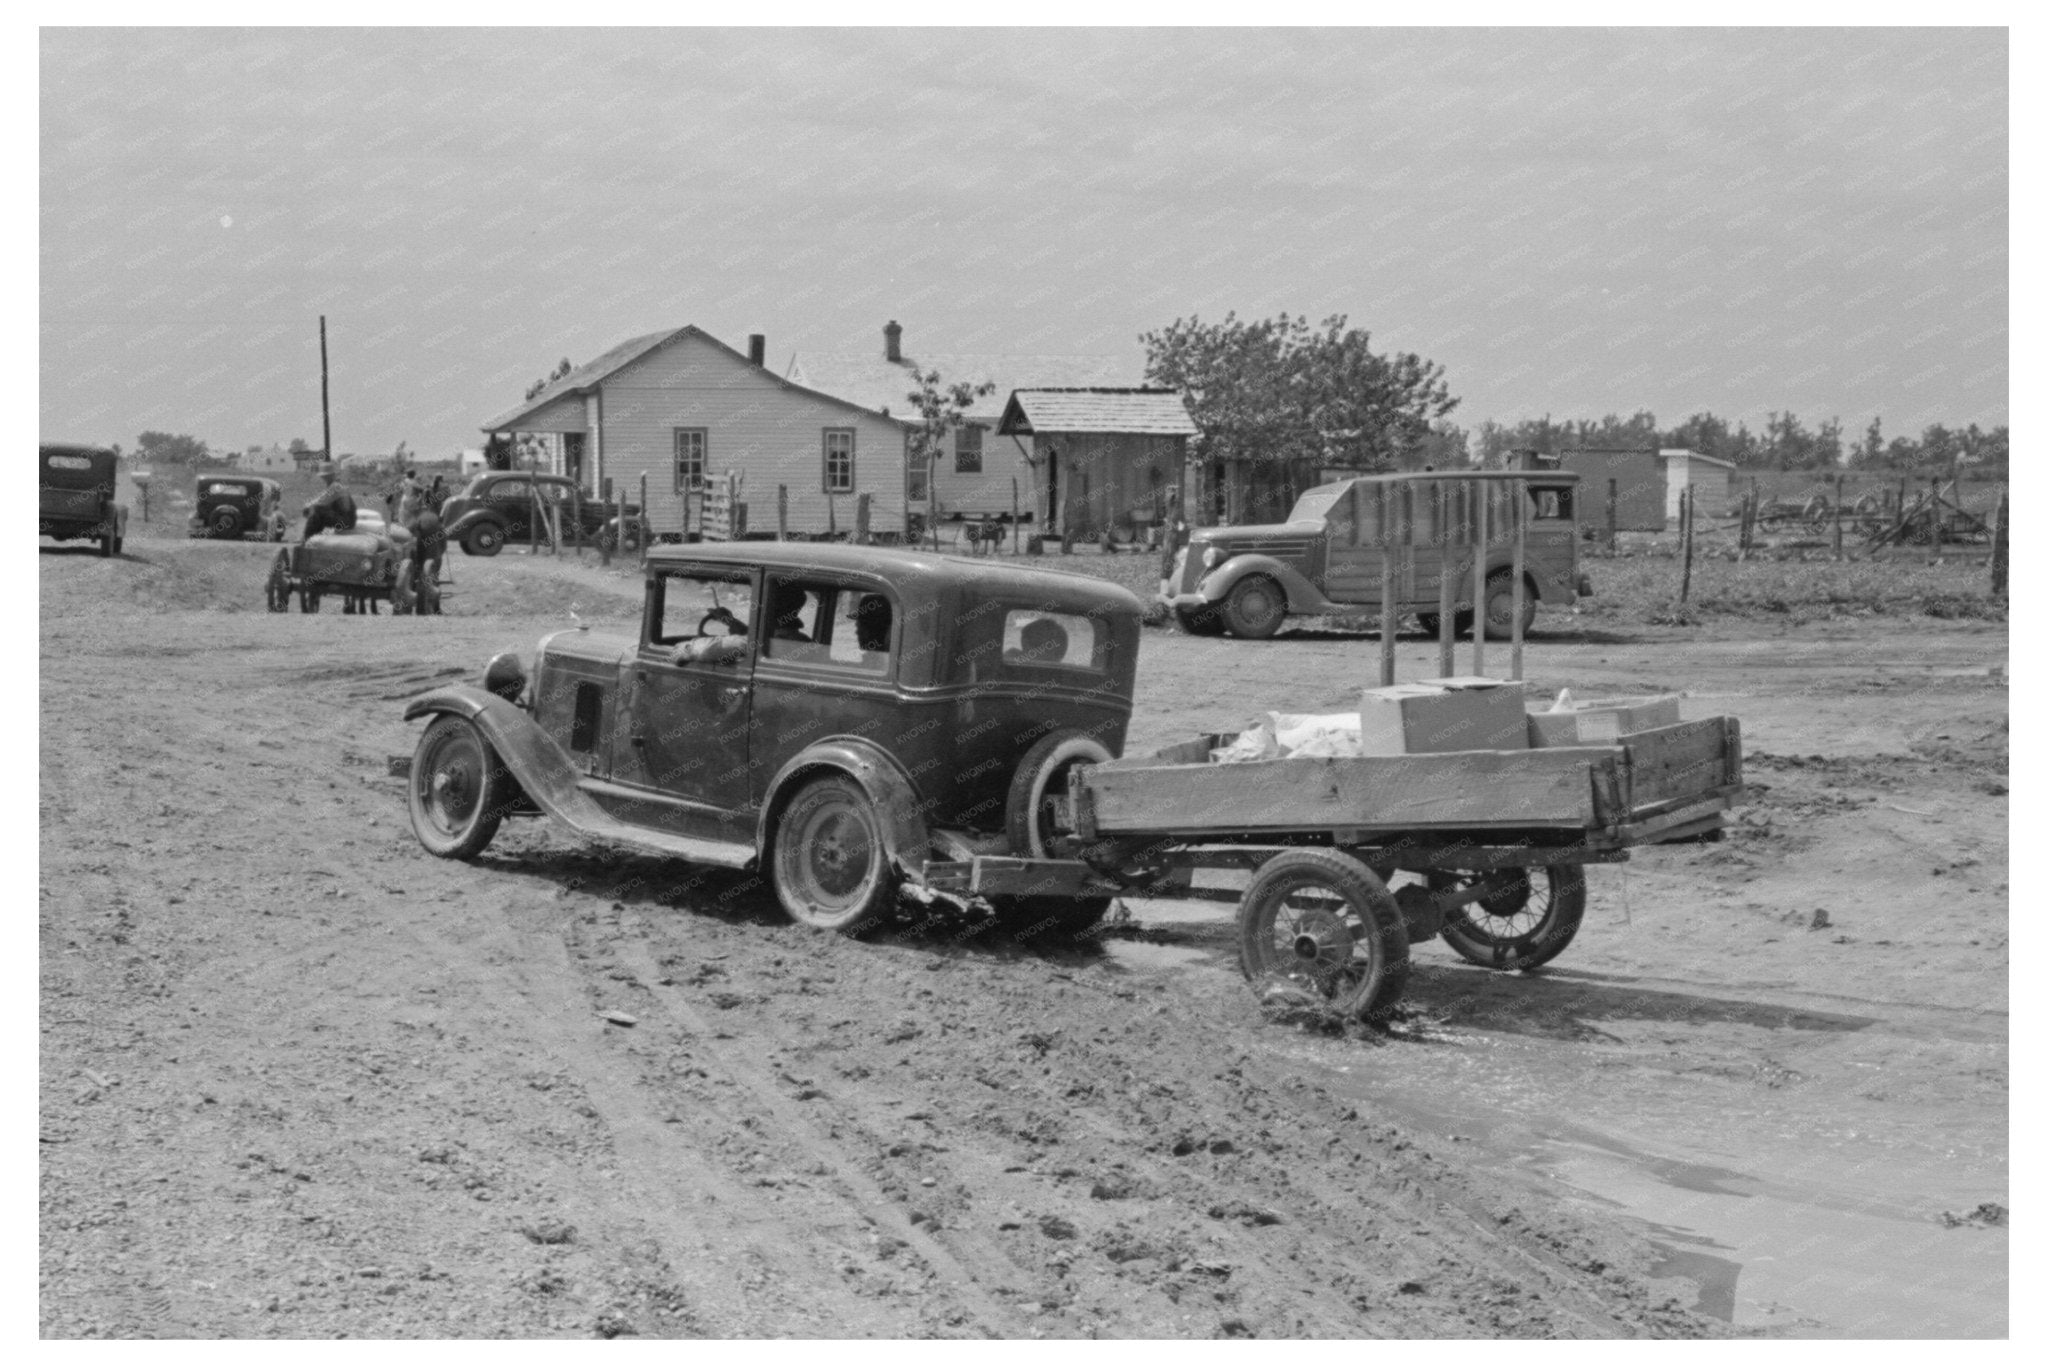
[(685, 606), (1552, 504), (1049, 640), (510, 490), (822, 623)]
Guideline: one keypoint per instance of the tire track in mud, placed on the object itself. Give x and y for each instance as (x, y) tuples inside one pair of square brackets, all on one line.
[(705, 1222)]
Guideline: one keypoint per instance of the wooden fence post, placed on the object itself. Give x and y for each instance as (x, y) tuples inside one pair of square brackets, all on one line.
[(2000, 548), (1613, 514), (646, 525), (860, 518), (831, 516), (1016, 519), (576, 515), (782, 512), (1521, 517), (1899, 514), (1389, 617), (1685, 533), (608, 537), (532, 517), (1838, 517), (1481, 539), (1446, 583)]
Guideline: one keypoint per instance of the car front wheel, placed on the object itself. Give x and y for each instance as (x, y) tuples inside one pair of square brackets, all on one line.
[(457, 790), (831, 869)]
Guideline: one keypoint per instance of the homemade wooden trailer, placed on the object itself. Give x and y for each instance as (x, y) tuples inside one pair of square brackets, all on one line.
[(1497, 840)]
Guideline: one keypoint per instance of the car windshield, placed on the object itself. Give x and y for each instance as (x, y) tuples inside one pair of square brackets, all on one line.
[(1314, 505)]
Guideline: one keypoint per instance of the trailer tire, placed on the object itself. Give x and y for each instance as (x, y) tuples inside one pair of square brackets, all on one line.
[(1040, 779), (1320, 921), (1520, 927), (1500, 605)]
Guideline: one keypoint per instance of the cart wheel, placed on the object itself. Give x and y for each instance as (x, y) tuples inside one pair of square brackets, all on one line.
[(1522, 922), (831, 871), (1323, 922), (458, 789), (1040, 781), (277, 593)]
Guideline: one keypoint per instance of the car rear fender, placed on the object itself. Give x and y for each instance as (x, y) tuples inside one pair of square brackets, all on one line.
[(905, 837), (1302, 596), (471, 520)]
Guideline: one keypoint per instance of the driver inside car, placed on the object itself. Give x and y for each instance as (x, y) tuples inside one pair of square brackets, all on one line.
[(704, 648)]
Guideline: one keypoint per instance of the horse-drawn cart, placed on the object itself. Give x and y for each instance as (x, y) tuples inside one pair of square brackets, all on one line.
[(1495, 843)]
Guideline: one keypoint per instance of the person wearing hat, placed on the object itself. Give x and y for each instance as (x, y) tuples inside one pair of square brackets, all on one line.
[(331, 507)]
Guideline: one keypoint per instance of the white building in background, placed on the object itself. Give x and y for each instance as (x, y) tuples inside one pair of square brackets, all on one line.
[(470, 460)]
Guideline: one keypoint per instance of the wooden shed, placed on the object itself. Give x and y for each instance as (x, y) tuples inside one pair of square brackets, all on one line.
[(1102, 460), (1708, 476)]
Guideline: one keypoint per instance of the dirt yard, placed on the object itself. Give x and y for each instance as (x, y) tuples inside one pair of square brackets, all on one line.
[(300, 1080)]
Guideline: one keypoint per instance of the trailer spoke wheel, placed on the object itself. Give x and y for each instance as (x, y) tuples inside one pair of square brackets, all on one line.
[(1323, 923), (1525, 917)]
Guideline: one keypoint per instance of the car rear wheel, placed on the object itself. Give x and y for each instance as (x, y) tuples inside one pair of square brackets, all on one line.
[(831, 869), (484, 541), (226, 523), (1255, 608), (457, 790)]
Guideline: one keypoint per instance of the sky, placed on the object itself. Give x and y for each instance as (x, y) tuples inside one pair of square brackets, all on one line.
[(1572, 222)]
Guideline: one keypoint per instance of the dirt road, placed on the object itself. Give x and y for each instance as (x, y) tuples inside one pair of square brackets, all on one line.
[(298, 1079)]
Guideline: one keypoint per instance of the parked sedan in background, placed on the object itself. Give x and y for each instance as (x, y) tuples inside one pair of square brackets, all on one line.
[(75, 497), (499, 506), (230, 506)]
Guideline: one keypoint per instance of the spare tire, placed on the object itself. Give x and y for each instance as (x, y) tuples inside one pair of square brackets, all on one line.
[(1040, 779), (226, 523)]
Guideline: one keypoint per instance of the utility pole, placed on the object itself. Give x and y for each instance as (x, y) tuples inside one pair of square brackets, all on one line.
[(326, 434)]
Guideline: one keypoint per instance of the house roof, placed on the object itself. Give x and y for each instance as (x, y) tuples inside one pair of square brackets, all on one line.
[(1673, 452), (1139, 412), (875, 382), (589, 375)]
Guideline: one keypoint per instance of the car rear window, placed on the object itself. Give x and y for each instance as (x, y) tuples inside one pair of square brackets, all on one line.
[(68, 462), (1052, 640)]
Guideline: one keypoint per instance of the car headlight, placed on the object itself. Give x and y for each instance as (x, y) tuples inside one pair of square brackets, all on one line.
[(505, 676), (1212, 557)]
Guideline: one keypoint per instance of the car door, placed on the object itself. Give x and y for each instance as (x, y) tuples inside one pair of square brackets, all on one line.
[(512, 501), (1351, 544), (685, 733)]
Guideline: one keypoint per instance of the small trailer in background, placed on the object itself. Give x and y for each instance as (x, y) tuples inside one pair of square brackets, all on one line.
[(1496, 842)]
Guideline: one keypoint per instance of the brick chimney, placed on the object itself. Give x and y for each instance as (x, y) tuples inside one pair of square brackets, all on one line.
[(892, 342), (757, 348)]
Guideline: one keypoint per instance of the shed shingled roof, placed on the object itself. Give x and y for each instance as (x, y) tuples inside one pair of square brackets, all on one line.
[(1135, 412), (873, 381)]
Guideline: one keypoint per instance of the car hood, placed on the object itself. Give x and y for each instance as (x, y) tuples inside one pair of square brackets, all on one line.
[(1245, 537)]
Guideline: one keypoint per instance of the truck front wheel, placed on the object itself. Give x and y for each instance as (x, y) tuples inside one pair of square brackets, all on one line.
[(1255, 608), (1500, 605)]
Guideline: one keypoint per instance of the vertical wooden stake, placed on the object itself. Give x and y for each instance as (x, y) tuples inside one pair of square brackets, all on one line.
[(1389, 618), (1446, 590), (1613, 514), (1838, 517), (326, 434), (646, 524), (1481, 536), (1521, 515), (576, 513), (1016, 519), (1685, 534), (532, 517), (861, 515), (1899, 514), (2000, 547), (782, 512), (831, 516)]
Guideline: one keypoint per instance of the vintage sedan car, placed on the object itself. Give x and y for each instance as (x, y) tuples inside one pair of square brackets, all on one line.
[(231, 506), (364, 566), (843, 718), (75, 497), (1325, 559), (498, 506)]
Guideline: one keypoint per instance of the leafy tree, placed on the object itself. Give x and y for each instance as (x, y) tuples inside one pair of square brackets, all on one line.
[(1281, 390), (545, 380), (941, 410), (172, 450)]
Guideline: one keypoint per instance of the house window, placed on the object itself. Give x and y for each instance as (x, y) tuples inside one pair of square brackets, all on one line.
[(967, 450), (917, 484), (839, 460), (689, 459)]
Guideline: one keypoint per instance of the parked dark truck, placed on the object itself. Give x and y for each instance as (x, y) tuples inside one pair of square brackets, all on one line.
[(75, 497), (497, 507), (851, 721), (1325, 559)]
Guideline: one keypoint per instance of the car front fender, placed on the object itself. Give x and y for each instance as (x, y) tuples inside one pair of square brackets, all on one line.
[(905, 838), (1302, 596)]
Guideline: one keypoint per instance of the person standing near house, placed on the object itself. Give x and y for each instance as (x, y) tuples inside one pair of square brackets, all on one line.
[(410, 495), (437, 495)]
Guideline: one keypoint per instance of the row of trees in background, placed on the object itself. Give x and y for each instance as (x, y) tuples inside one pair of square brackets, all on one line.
[(1785, 443)]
